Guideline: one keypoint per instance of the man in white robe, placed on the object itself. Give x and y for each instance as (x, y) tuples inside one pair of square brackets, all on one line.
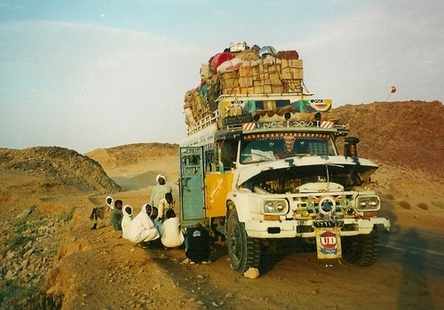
[(159, 190), (171, 236), (126, 220), (141, 228)]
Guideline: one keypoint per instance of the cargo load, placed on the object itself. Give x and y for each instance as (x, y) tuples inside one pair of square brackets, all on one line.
[(240, 70)]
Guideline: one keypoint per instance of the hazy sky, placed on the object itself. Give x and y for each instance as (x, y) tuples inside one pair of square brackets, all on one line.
[(86, 74)]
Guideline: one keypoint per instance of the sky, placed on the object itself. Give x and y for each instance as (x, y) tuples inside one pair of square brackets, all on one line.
[(87, 74)]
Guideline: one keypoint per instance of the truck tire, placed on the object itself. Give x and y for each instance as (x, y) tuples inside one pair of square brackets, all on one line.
[(360, 250), (244, 252)]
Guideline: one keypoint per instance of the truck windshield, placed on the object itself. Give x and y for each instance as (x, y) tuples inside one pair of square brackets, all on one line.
[(278, 148)]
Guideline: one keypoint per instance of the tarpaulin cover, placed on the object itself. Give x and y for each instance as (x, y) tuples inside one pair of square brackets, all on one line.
[(219, 59)]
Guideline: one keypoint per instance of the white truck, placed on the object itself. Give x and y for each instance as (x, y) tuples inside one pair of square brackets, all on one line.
[(277, 173)]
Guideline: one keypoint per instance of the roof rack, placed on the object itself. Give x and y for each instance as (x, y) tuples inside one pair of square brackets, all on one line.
[(263, 97), (203, 123)]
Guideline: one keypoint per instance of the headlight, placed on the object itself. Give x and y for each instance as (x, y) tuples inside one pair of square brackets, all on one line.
[(365, 203), (276, 206)]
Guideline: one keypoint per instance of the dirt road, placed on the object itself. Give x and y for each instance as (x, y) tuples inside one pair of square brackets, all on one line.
[(408, 275)]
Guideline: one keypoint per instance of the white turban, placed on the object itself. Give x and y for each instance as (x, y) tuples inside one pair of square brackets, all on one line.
[(160, 176)]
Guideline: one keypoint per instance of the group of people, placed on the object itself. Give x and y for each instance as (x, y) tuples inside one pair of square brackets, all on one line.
[(155, 221)]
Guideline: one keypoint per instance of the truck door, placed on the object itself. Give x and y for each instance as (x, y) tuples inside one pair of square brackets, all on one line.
[(192, 185)]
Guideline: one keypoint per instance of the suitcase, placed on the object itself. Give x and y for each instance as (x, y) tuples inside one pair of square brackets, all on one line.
[(292, 54)]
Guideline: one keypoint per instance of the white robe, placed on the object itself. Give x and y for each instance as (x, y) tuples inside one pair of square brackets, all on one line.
[(126, 221), (111, 205), (158, 192), (140, 229), (171, 236)]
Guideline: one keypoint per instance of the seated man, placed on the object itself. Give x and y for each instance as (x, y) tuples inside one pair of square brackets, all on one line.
[(171, 236), (164, 204), (109, 202), (126, 221), (141, 228)]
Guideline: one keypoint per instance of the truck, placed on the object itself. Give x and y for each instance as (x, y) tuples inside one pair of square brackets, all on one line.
[(264, 167)]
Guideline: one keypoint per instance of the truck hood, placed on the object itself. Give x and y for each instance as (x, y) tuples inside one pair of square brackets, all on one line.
[(363, 167)]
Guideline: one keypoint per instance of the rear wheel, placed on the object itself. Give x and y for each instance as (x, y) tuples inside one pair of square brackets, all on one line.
[(244, 252), (360, 250)]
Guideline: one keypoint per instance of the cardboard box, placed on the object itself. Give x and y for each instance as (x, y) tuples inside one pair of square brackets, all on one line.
[(231, 83), (295, 63), (246, 82), (275, 79), (255, 70), (245, 70), (258, 89), (284, 64), (230, 75), (267, 81), (267, 89), (286, 75), (277, 89), (297, 74), (265, 76), (261, 68), (274, 68), (258, 82)]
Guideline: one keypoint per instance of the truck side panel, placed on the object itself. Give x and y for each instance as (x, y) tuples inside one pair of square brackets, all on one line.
[(217, 187)]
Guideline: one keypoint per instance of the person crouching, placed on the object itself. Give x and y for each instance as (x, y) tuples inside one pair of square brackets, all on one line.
[(126, 220), (98, 213), (171, 236), (141, 229)]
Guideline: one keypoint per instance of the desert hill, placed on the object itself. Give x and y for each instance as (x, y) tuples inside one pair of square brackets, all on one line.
[(52, 168), (409, 134), (135, 166), (130, 154)]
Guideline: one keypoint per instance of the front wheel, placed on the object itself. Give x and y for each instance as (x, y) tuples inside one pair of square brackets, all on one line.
[(360, 250), (244, 252)]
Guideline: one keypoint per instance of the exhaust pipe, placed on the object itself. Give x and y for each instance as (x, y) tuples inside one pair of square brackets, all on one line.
[(351, 147)]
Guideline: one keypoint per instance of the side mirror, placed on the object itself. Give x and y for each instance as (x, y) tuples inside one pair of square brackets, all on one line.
[(351, 147)]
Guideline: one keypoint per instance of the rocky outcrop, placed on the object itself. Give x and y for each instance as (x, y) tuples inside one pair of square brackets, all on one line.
[(58, 166)]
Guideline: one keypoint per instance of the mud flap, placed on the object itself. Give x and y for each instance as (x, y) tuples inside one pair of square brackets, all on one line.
[(328, 243)]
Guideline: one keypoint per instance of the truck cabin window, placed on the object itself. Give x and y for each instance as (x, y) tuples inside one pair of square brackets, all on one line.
[(229, 153), (278, 148)]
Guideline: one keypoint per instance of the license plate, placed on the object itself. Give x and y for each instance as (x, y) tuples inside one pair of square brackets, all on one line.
[(328, 243)]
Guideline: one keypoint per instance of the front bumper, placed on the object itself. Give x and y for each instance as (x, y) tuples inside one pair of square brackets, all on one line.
[(306, 228)]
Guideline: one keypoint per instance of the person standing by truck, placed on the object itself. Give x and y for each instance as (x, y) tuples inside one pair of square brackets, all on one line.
[(116, 215), (159, 190)]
